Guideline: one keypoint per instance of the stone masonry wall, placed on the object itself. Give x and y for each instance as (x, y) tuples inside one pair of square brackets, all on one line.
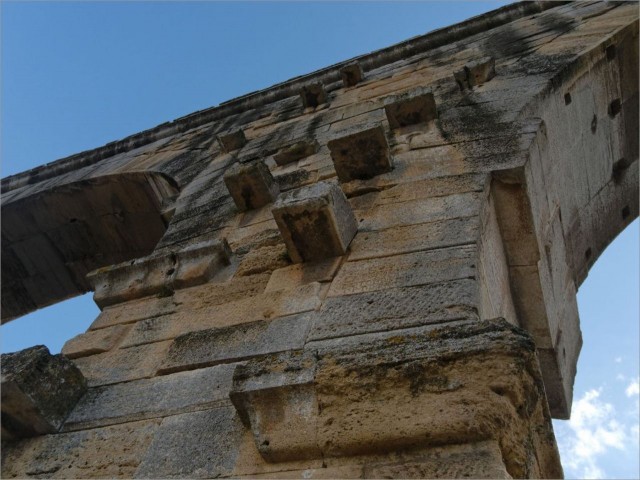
[(366, 272)]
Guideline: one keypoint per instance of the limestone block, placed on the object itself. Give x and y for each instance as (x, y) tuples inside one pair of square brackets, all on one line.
[(295, 152), (110, 452), (396, 308), (471, 460), (93, 342), (152, 398), (239, 342), (463, 383), (416, 268), (122, 364), (159, 274), (38, 391), (316, 222), (194, 445), (231, 140), (361, 155), (264, 259), (475, 73), (351, 74), (298, 274), (251, 185), (133, 311), (199, 263), (279, 405), (410, 108), (313, 95)]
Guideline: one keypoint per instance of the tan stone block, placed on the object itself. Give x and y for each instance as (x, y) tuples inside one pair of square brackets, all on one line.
[(347, 471), (361, 155), (122, 364), (472, 460), (239, 287), (419, 268), (264, 259), (251, 185), (316, 222), (313, 95), (110, 452), (133, 311), (231, 140), (295, 152), (475, 73), (293, 276), (410, 108), (351, 74), (93, 342)]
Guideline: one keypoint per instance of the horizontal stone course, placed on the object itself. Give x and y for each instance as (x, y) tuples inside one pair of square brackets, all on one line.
[(152, 398)]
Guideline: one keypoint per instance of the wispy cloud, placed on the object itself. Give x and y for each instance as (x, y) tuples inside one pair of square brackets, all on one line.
[(592, 431), (633, 388)]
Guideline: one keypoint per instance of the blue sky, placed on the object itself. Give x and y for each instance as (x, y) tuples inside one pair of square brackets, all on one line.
[(76, 76)]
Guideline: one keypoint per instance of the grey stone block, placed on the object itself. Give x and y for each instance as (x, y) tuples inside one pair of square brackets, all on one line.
[(315, 221), (351, 74), (475, 73), (296, 152), (231, 140), (361, 155), (152, 398), (313, 95), (194, 445), (251, 185), (38, 391), (239, 342), (410, 108)]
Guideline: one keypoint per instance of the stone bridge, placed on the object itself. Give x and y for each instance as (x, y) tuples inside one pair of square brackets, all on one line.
[(367, 271)]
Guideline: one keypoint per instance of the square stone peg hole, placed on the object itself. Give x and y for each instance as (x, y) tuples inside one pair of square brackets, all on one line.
[(351, 74), (232, 140), (315, 221), (313, 95), (361, 155), (410, 108), (251, 185)]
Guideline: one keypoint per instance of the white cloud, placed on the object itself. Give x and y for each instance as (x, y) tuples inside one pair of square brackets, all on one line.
[(592, 432), (633, 388), (618, 359)]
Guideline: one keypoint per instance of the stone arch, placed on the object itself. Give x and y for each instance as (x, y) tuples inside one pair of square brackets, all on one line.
[(52, 237)]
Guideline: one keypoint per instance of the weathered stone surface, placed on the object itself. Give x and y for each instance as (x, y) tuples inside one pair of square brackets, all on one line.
[(396, 308), (419, 268), (472, 460), (251, 185), (93, 342), (313, 94), (316, 222), (351, 74), (295, 152), (111, 452), (231, 140), (38, 391), (193, 445), (152, 398), (199, 263), (293, 276), (361, 155), (263, 260), (122, 364), (410, 108), (232, 344), (475, 73), (133, 311), (490, 375)]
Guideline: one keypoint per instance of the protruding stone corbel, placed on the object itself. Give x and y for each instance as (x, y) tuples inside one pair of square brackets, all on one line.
[(251, 185), (410, 108), (159, 274), (232, 140), (351, 74), (313, 95), (315, 221), (295, 152), (361, 155), (475, 73), (39, 390)]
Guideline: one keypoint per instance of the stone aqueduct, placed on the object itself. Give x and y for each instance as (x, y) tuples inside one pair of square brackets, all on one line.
[(366, 272)]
